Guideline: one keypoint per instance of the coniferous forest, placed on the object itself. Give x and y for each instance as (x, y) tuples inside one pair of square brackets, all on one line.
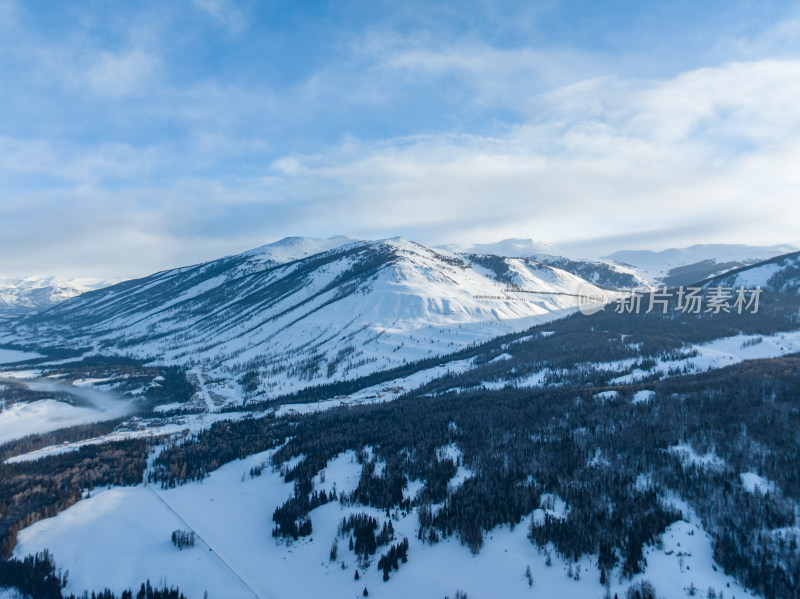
[(522, 444)]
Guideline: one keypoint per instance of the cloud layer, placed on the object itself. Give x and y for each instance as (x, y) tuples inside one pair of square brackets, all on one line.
[(160, 136)]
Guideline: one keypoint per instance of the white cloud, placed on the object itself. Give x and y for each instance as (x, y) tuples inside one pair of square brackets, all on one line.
[(706, 156), (490, 76), (73, 163), (583, 157), (713, 147), (224, 12), (120, 74)]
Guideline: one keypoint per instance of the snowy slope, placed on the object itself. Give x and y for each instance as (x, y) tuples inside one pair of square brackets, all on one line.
[(289, 249), (10, 356), (236, 557), (714, 346), (348, 311), (777, 275)]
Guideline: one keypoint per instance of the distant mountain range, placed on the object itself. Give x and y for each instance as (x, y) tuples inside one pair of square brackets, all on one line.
[(636, 268), (515, 247), (26, 295), (682, 266), (302, 312)]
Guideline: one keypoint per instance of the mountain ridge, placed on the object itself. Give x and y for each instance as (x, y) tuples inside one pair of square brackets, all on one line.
[(352, 309)]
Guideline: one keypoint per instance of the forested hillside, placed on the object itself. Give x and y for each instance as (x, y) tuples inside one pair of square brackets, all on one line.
[(624, 469)]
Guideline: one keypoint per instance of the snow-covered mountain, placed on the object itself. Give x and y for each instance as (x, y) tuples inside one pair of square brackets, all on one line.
[(514, 247), (25, 295), (634, 268), (21, 296), (289, 317), (301, 312), (681, 266), (289, 249)]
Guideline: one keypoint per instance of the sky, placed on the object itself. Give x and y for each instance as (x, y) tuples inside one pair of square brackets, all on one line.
[(145, 135)]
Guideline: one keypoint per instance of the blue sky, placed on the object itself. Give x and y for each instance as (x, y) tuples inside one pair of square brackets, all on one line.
[(144, 135)]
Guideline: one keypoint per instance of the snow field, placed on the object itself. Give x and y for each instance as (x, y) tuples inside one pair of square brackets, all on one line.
[(718, 353), (121, 536)]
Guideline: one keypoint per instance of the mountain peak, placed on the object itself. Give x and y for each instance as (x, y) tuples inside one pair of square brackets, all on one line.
[(293, 248), (513, 247)]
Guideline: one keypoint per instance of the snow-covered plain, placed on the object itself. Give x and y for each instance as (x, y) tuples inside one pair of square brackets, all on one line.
[(121, 536), (643, 396), (755, 483)]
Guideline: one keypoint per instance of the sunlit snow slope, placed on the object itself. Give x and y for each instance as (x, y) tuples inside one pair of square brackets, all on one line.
[(290, 316)]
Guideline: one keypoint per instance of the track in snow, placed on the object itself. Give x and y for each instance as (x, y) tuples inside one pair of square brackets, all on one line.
[(202, 541)]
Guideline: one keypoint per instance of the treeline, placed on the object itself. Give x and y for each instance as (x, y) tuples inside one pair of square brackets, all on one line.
[(37, 489), (291, 518), (345, 387), (391, 560), (37, 576), (71, 434), (222, 443), (174, 387)]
